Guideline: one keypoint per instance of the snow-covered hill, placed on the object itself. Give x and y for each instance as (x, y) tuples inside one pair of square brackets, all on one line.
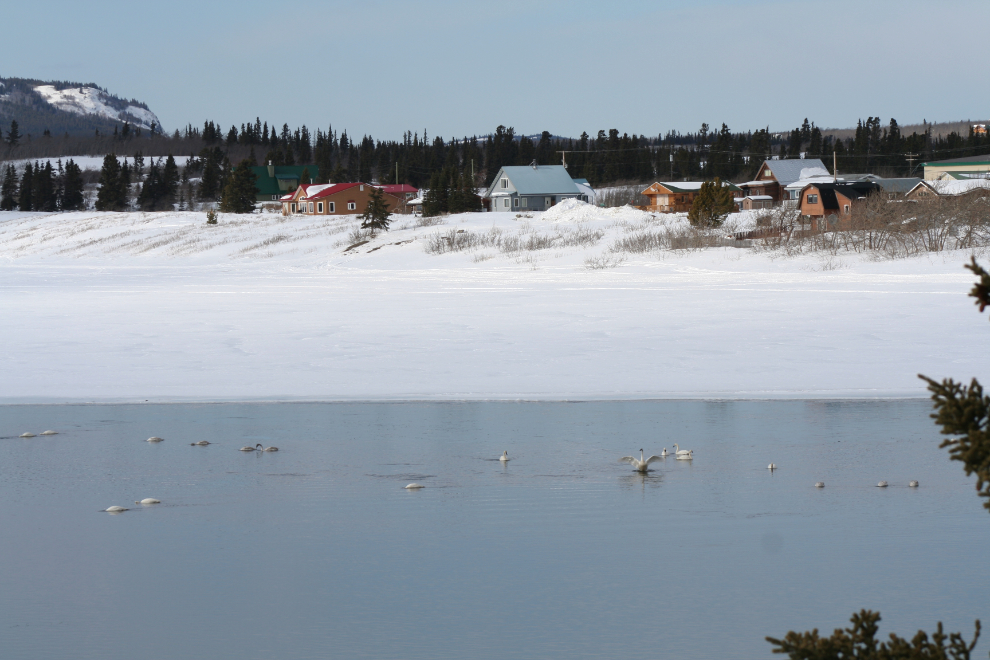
[(92, 101)]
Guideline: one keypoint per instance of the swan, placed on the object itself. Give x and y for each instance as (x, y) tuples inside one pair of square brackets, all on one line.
[(413, 486), (247, 448), (685, 455), (264, 448), (913, 484), (148, 500), (772, 467), (155, 438), (504, 457), (115, 509), (639, 464), (49, 432), (682, 452), (819, 484), (882, 484), (201, 443), (665, 452), (27, 435)]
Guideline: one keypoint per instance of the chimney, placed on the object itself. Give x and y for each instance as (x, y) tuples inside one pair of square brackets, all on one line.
[(271, 170)]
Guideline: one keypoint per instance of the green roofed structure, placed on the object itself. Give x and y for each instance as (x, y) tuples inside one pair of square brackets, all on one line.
[(277, 180)]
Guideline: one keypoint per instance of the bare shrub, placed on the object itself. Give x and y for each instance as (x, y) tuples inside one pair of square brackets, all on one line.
[(622, 195), (428, 221), (604, 261), (643, 241)]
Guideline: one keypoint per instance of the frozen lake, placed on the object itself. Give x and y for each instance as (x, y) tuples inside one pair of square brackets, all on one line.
[(317, 551)]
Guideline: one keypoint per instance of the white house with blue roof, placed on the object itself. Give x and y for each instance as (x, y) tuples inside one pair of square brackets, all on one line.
[(533, 188)]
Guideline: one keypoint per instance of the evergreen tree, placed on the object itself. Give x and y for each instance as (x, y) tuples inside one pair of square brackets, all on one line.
[(711, 205), (152, 189), (170, 183), (72, 187), (305, 178), (125, 183), (8, 189), (43, 197), (14, 134), (111, 196), (376, 214), (433, 201), (209, 186), (241, 190), (24, 202)]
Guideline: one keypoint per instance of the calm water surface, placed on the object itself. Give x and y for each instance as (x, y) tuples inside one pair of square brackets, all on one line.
[(317, 551)]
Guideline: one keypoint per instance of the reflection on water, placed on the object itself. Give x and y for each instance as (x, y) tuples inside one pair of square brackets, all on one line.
[(318, 551)]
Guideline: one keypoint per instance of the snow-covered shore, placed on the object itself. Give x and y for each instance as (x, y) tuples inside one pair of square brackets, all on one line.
[(135, 306)]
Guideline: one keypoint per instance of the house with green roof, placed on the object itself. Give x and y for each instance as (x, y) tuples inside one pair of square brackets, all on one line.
[(277, 180), (678, 196), (967, 164)]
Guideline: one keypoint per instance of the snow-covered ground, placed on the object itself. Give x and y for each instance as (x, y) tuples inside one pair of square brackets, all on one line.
[(94, 163), (160, 306), (92, 101)]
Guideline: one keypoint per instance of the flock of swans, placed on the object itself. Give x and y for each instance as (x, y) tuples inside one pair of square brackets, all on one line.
[(155, 438)]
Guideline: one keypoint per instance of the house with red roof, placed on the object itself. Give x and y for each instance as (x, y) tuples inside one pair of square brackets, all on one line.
[(334, 199)]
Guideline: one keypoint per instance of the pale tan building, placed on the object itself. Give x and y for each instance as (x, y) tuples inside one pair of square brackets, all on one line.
[(964, 165)]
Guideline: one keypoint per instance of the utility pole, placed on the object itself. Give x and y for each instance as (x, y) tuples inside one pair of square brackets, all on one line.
[(835, 170), (910, 158)]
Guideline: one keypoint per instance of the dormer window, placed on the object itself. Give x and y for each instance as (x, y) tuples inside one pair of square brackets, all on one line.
[(505, 183)]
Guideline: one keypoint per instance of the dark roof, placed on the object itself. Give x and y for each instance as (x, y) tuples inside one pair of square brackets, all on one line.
[(268, 185), (854, 190)]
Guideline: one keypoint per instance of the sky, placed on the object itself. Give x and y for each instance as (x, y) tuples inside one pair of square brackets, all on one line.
[(454, 68)]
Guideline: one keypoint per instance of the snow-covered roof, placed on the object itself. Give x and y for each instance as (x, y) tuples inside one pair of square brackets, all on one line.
[(953, 188), (758, 197), (802, 182), (790, 170)]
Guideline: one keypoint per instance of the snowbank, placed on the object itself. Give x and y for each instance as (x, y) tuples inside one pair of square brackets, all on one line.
[(159, 306)]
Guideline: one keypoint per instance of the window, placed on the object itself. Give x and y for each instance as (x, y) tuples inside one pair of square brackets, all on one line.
[(768, 174), (332, 207), (505, 183), (274, 197), (506, 203), (351, 206), (319, 207), (362, 188), (515, 202), (311, 207), (812, 199), (845, 209), (525, 202)]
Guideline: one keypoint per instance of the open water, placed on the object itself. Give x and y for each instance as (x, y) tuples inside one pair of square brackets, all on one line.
[(317, 551)]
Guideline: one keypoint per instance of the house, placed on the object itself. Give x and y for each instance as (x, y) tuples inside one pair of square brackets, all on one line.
[(775, 175), (275, 181), (929, 191), (333, 199), (532, 188), (404, 192), (833, 200), (969, 164), (678, 196)]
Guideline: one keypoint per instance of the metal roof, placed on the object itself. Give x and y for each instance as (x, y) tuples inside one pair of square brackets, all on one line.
[(537, 180), (965, 160), (789, 170)]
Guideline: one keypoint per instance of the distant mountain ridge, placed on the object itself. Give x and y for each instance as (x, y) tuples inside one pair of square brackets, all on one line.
[(68, 107)]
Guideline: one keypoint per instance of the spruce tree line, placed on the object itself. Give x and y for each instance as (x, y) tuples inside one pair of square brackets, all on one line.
[(42, 187), (451, 191)]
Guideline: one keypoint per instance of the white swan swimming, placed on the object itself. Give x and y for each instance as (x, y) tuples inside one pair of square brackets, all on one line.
[(413, 486), (49, 432), (201, 443), (115, 509), (148, 500), (247, 449), (772, 467), (665, 452), (155, 438), (27, 435), (504, 457), (819, 484), (263, 448), (882, 484), (640, 464), (913, 484), (683, 455), (681, 452)]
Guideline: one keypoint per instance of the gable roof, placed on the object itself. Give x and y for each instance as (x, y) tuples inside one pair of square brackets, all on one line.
[(268, 185), (952, 187), (689, 186), (789, 170), (853, 190), (333, 189), (537, 180)]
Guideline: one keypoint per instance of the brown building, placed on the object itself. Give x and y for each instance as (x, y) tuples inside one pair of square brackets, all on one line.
[(834, 201), (775, 175), (677, 197), (333, 199)]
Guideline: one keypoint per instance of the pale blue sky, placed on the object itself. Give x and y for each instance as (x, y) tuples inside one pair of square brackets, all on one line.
[(380, 67)]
